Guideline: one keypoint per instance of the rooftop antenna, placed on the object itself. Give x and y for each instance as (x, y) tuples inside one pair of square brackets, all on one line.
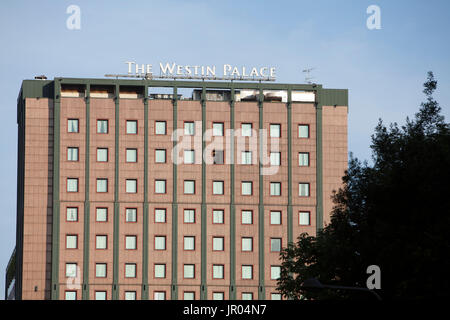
[(308, 76)]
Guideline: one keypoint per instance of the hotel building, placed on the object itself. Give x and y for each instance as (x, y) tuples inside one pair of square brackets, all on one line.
[(104, 213)]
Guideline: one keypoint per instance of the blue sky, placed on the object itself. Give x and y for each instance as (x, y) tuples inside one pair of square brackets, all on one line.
[(383, 69)]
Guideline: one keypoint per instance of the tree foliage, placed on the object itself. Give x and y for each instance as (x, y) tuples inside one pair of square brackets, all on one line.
[(394, 213)]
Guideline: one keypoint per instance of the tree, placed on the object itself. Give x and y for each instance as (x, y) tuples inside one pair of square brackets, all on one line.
[(394, 213)]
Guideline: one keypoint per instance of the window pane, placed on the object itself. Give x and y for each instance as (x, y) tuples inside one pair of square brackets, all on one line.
[(246, 188), (217, 216), (72, 125), (71, 270), (275, 130), (246, 157), (275, 272), (131, 155), (246, 129), (189, 187), (160, 243), (72, 185), (189, 243), (247, 244), (275, 188), (160, 215), (275, 217), (72, 214), (160, 127), (217, 129), (275, 296), (131, 214), (218, 272), (130, 242), (102, 126), (189, 128), (100, 242), (218, 243), (130, 295), (131, 186), (160, 270), (72, 154), (189, 156), (189, 216), (303, 159), (247, 272), (275, 244), (71, 295), (131, 127), (102, 185), (217, 187), (303, 189), (247, 296), (247, 217), (160, 156), (159, 295), (304, 218), (188, 271), (303, 131), (130, 271), (102, 154), (101, 214), (100, 295), (71, 241), (218, 156), (160, 186), (188, 296), (275, 158), (218, 295), (100, 270)]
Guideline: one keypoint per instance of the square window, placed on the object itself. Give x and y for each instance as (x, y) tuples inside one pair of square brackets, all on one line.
[(189, 186), (131, 126), (303, 189), (71, 241), (189, 243), (218, 187), (160, 155), (100, 270), (247, 244), (72, 214), (218, 129), (102, 126), (101, 214), (246, 129), (160, 186), (247, 217), (71, 270), (303, 159), (102, 185), (131, 155), (218, 271), (72, 185), (275, 272), (72, 125), (159, 295), (102, 154), (130, 242), (189, 129), (130, 270), (247, 272), (246, 157), (247, 296), (189, 216), (160, 127), (218, 243), (160, 243), (100, 295), (130, 214), (247, 188), (217, 156), (72, 154), (71, 295), (275, 296), (275, 217), (101, 242), (218, 216), (131, 185), (160, 271), (303, 131), (189, 156), (304, 218), (188, 295), (189, 271), (160, 215), (130, 295), (218, 295), (275, 188), (275, 130), (275, 158), (275, 244)]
